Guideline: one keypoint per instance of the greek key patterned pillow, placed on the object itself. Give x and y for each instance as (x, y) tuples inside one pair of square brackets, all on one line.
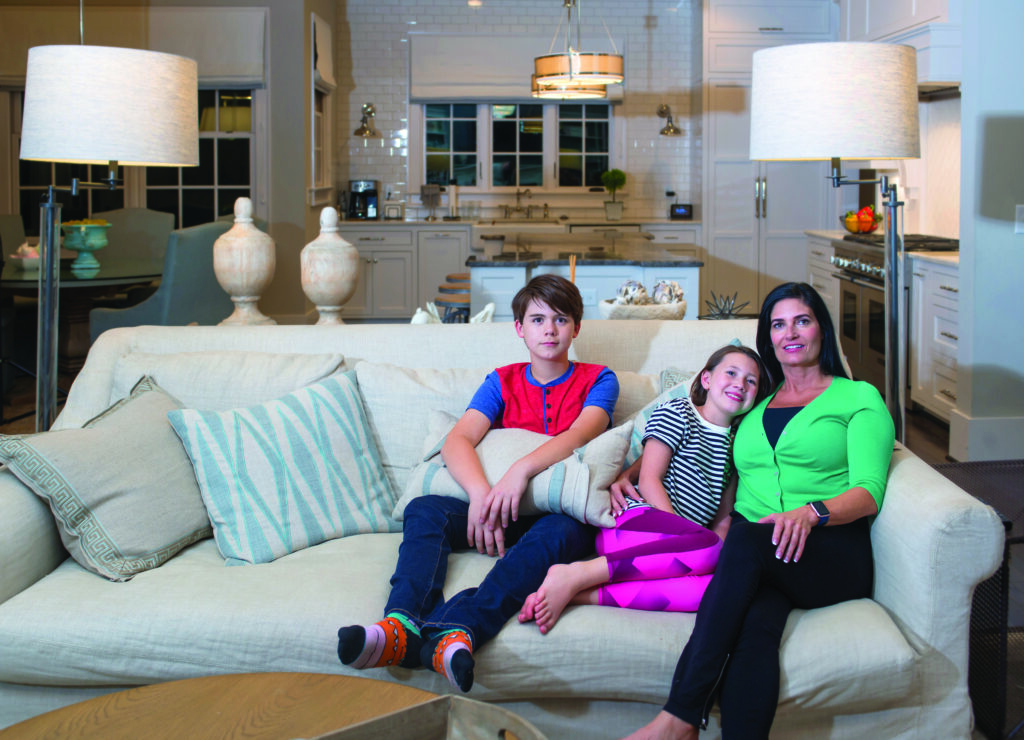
[(290, 473), (121, 488)]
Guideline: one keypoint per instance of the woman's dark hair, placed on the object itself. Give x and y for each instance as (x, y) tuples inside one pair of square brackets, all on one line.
[(699, 394), (830, 360), (555, 292)]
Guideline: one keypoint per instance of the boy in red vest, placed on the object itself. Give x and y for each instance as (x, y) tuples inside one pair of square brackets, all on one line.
[(572, 402)]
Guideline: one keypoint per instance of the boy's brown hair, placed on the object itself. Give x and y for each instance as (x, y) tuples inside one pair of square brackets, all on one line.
[(556, 292)]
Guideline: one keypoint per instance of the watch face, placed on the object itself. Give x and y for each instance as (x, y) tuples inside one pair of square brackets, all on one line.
[(819, 508)]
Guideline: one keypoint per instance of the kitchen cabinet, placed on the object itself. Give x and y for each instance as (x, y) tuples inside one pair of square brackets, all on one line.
[(871, 20), (682, 241), (439, 252), (934, 334), (386, 289), (820, 273), (755, 213)]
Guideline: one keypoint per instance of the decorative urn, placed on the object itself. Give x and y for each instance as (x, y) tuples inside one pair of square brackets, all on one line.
[(330, 269), (244, 259)]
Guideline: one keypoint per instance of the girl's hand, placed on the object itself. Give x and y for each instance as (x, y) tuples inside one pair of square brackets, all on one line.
[(790, 533), (621, 491)]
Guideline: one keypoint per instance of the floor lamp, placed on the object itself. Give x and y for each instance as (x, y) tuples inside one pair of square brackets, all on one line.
[(98, 105), (836, 101)]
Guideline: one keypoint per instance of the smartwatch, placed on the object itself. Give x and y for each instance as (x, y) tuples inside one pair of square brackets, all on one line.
[(822, 511)]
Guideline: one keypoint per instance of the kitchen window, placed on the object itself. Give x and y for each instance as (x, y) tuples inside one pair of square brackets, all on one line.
[(499, 147)]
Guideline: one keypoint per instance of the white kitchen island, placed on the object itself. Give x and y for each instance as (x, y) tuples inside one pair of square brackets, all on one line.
[(603, 263)]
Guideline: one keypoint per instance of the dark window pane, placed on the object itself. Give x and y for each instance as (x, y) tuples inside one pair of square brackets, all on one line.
[(107, 200), (203, 174), (233, 161), (531, 170), (465, 169), (34, 173), (597, 136), (570, 136), (226, 199), (504, 169), (570, 110), (595, 164), (464, 110), (437, 136), (531, 110), (438, 172), (438, 111), (570, 170), (162, 176), (503, 111), (196, 207), (464, 136), (63, 173), (164, 200), (504, 139), (207, 110), (29, 215), (597, 110), (531, 136)]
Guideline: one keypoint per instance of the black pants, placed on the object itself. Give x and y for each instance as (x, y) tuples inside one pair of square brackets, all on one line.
[(735, 640)]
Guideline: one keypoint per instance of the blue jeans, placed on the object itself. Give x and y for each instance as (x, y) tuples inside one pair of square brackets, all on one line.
[(434, 526)]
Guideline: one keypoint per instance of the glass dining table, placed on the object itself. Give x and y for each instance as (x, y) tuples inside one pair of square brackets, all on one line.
[(79, 290)]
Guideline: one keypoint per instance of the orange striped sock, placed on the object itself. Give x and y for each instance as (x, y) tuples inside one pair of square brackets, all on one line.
[(451, 654), (380, 644)]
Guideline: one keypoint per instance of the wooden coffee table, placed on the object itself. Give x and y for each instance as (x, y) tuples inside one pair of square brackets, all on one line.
[(254, 706)]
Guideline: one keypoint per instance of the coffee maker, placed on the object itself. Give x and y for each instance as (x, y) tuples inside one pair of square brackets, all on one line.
[(362, 199)]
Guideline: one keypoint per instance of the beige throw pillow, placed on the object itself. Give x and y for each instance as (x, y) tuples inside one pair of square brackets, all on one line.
[(577, 486)]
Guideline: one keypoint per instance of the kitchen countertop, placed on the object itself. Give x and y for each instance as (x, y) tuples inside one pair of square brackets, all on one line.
[(614, 248), (489, 223), (939, 258)]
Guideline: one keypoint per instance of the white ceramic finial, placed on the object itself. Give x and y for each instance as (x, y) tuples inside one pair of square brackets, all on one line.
[(243, 211), (328, 219)]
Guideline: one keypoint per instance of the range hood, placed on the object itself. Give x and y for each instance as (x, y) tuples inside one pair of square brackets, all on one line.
[(939, 55)]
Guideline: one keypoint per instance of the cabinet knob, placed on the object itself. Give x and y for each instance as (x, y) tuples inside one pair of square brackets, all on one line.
[(369, 261)]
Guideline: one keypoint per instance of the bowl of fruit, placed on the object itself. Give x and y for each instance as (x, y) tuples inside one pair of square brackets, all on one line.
[(863, 221)]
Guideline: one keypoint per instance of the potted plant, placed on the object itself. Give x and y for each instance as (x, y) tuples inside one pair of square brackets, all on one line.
[(612, 181)]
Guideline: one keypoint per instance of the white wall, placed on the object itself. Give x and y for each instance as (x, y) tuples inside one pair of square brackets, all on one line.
[(989, 421), (662, 62)]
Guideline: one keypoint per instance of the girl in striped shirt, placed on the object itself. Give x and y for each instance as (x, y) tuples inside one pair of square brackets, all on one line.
[(672, 504)]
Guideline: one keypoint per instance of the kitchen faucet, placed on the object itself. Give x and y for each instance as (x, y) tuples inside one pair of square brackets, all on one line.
[(519, 207)]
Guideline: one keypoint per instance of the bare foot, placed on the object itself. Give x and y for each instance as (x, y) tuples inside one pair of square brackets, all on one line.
[(560, 585), (665, 727), (527, 613)]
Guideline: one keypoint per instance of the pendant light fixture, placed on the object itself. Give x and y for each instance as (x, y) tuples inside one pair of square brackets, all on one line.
[(568, 91), (573, 66), (670, 129)]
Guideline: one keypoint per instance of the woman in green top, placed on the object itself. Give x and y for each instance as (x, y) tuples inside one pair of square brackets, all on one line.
[(812, 461)]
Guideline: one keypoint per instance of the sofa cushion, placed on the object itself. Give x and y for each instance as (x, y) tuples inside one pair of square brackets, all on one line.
[(577, 486), (218, 381), (678, 387), (121, 489), (288, 474)]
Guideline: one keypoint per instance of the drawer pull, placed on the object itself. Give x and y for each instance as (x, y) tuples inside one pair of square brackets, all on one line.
[(949, 288), (771, 28), (371, 238), (817, 253), (946, 334), (919, 274), (948, 394)]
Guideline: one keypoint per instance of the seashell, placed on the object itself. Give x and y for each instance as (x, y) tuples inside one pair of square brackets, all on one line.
[(632, 293), (667, 291)]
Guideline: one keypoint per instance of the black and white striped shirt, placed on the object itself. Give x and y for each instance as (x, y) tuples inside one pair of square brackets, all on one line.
[(700, 464)]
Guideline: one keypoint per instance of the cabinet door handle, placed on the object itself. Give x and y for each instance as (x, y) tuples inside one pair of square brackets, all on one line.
[(764, 195), (369, 261), (949, 288), (946, 334), (919, 274), (757, 197), (948, 394)]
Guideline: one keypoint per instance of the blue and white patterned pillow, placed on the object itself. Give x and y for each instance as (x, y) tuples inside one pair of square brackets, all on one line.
[(290, 473)]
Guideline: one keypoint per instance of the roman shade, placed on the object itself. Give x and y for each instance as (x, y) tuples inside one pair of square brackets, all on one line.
[(228, 44), (477, 68)]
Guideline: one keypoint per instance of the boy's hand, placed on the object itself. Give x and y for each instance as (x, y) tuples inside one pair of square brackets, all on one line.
[(479, 536), (502, 505)]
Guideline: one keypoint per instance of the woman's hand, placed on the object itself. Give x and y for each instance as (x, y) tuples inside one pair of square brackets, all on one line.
[(791, 530)]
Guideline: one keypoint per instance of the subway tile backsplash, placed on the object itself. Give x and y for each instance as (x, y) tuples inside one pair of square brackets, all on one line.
[(663, 51)]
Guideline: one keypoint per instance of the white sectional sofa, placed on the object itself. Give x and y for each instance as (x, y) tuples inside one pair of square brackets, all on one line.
[(894, 666)]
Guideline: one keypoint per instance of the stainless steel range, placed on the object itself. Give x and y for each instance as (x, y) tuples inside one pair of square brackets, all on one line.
[(860, 260)]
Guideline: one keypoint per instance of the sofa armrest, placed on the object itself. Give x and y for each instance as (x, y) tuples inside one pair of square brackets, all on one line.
[(933, 543), (30, 545)]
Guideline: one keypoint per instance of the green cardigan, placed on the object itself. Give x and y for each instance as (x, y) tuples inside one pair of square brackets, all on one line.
[(841, 439)]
